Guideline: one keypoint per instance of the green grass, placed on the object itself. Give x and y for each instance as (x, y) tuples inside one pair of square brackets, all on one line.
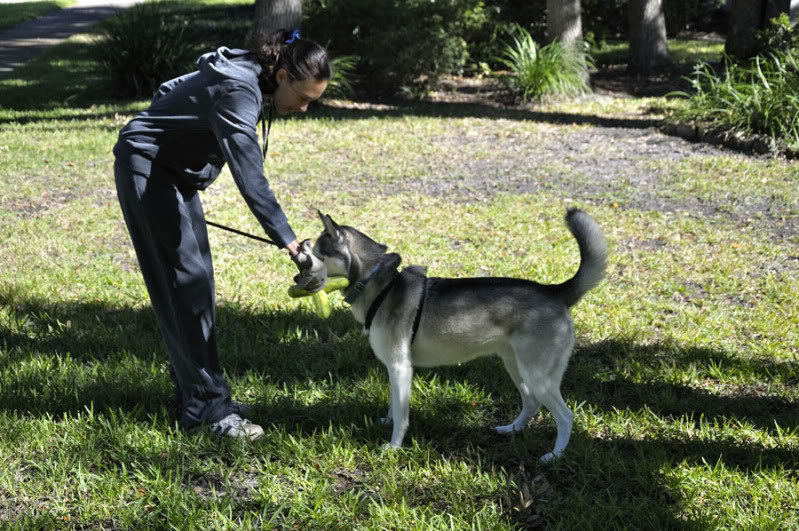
[(683, 381), (12, 14), (681, 50)]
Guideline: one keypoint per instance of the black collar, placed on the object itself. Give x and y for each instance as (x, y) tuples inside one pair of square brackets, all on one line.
[(389, 261), (370, 314)]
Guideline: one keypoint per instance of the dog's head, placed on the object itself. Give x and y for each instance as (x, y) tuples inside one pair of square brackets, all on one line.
[(346, 251)]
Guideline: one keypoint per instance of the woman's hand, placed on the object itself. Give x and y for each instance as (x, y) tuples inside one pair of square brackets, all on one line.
[(293, 248), (313, 273)]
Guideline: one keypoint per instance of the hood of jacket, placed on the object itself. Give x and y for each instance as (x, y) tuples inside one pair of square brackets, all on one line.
[(232, 64)]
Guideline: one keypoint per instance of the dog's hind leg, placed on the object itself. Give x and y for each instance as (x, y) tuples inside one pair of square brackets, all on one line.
[(400, 375), (553, 401), (530, 404), (541, 364)]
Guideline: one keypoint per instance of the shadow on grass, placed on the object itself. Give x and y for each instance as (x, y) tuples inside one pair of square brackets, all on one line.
[(116, 361)]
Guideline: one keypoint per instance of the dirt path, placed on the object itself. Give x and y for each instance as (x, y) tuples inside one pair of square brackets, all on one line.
[(29, 40), (624, 160)]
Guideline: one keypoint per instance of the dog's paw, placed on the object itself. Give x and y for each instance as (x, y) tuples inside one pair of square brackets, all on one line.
[(388, 447), (548, 457), (386, 421), (508, 429)]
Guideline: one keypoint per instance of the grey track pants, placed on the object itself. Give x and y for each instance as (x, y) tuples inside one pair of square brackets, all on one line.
[(168, 230)]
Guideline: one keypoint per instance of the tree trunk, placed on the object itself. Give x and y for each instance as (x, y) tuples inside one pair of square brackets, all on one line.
[(273, 15), (648, 49), (746, 18), (563, 21)]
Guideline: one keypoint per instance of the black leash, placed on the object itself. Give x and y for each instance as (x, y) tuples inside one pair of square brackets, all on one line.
[(235, 231)]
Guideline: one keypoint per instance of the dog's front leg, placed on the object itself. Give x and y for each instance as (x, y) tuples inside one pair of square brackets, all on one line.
[(400, 375)]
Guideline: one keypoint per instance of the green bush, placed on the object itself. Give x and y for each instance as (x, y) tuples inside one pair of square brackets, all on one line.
[(404, 45), (539, 72), (778, 36), (760, 97), (340, 85), (145, 45)]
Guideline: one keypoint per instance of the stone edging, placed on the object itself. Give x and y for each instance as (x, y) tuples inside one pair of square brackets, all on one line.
[(736, 141)]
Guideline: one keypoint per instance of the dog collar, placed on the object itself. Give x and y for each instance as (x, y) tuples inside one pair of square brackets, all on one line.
[(390, 260), (359, 286)]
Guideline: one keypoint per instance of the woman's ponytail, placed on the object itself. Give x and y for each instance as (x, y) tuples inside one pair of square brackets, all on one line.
[(301, 58)]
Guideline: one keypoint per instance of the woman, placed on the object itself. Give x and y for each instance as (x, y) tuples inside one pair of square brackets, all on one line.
[(177, 147)]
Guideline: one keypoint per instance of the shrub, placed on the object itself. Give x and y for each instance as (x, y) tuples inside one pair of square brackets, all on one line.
[(538, 72), (404, 45), (778, 36), (340, 85), (145, 45), (760, 97)]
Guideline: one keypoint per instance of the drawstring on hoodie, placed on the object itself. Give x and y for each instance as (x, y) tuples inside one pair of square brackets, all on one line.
[(265, 131)]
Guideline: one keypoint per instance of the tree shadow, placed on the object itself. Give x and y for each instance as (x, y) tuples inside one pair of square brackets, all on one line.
[(117, 362), (64, 357)]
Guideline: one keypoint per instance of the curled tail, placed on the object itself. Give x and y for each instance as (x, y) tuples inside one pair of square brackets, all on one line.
[(593, 254)]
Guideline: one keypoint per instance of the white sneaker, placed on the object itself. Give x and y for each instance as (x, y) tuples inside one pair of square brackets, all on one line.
[(237, 427)]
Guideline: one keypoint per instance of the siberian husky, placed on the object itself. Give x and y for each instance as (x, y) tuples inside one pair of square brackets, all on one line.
[(412, 319)]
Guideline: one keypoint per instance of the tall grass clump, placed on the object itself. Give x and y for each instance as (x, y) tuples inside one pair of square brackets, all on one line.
[(538, 72), (341, 84), (144, 45), (759, 97)]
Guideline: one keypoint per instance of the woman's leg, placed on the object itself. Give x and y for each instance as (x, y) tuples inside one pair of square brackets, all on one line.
[(177, 270)]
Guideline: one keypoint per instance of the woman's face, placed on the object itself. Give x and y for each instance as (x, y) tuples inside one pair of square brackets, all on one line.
[(294, 96)]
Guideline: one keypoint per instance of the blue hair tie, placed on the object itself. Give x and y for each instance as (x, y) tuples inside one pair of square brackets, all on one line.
[(295, 35)]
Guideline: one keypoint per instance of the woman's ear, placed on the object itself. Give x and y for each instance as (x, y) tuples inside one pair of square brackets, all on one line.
[(281, 75)]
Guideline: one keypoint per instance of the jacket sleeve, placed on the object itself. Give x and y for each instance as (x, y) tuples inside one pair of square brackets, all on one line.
[(233, 120), (167, 86)]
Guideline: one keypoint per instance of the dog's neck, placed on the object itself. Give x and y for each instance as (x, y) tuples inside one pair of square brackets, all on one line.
[(374, 278)]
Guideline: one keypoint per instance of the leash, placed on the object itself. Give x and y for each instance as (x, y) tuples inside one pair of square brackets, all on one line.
[(241, 233)]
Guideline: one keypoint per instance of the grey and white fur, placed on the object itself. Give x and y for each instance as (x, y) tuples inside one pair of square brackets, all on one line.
[(527, 324)]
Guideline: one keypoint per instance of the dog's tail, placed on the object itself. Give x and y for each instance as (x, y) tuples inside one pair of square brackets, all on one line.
[(593, 255)]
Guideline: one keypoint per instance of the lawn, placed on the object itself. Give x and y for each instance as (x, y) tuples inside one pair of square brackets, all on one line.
[(683, 381)]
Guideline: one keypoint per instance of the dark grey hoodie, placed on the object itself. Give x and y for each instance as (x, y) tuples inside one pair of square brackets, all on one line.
[(199, 121)]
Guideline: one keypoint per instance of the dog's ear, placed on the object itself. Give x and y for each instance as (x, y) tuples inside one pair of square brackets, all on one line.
[(330, 225)]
